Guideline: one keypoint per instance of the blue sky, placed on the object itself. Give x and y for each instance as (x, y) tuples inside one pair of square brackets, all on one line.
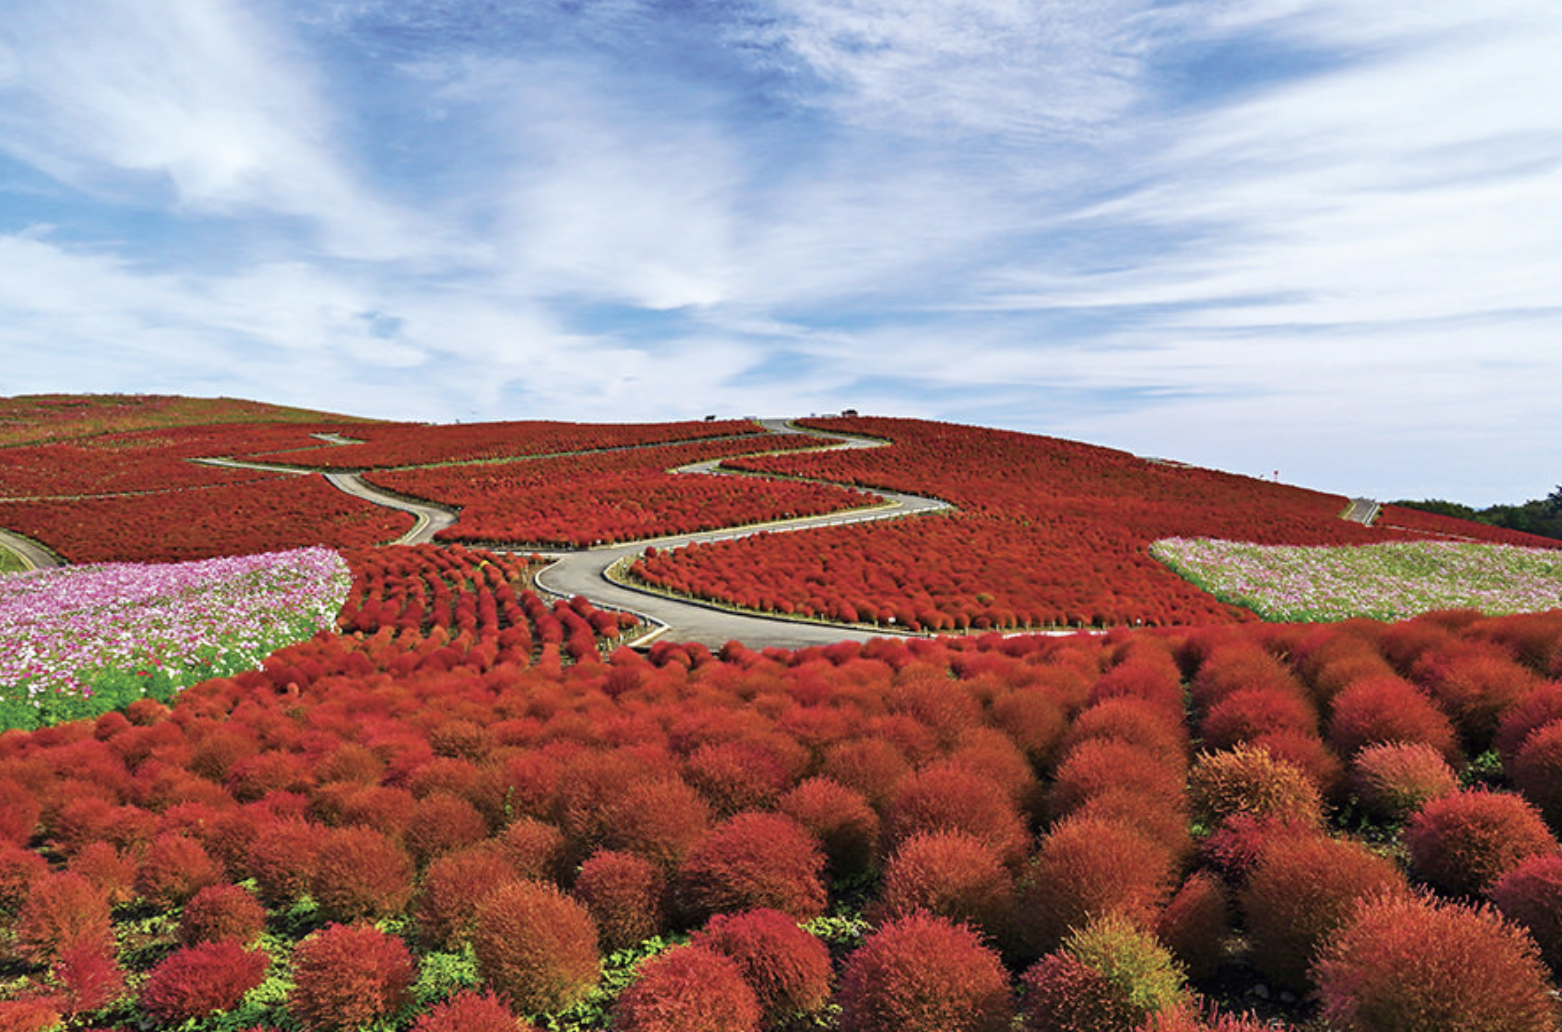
[(1322, 237)]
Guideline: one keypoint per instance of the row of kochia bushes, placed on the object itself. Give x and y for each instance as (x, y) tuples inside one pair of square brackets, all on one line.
[(1065, 832)]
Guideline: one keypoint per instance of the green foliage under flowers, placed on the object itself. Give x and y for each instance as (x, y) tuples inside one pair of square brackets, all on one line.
[(618, 970)]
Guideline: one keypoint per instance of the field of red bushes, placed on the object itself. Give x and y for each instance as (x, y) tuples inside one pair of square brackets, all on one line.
[(472, 805), (474, 809), (613, 496), (1048, 533)]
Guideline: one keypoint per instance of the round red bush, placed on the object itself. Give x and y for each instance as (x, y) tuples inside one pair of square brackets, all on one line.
[(174, 869), (871, 766), (221, 912), (198, 980), (660, 820), (20, 869), (1101, 765), (1302, 890), (1034, 720), (687, 989), (840, 819), (452, 887), (441, 823), (468, 1011), (88, 979), (63, 911), (1536, 771), (749, 861), (1136, 722), (19, 813), (1393, 780), (281, 858), (623, 893), (1530, 895), (1089, 867), (950, 874), (359, 873), (535, 849), (1461, 843), (1410, 964), (346, 976), (1376, 710), (736, 776), (1196, 924), (1249, 712), (1110, 975), (1540, 707), (947, 796), (788, 969), (535, 946), (923, 974)]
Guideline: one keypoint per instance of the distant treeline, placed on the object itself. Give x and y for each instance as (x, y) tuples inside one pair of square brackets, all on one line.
[(1541, 516)]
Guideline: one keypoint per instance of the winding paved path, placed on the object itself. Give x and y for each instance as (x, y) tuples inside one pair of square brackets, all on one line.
[(34, 556)]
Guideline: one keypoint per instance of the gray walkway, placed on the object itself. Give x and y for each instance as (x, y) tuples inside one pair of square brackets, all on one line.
[(1362, 511), (33, 555)]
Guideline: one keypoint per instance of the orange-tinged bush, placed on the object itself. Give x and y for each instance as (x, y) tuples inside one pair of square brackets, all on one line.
[(19, 813), (872, 766), (946, 796), (687, 989), (840, 819), (1100, 765), (1237, 843), (221, 912), (451, 889), (749, 861), (950, 874), (623, 893), (441, 823), (535, 946), (1461, 843), (282, 857), (346, 976), (1410, 964), (20, 869), (1530, 896), (923, 974), (1302, 890), (63, 911), (1536, 771), (202, 979), (1135, 721), (1247, 713), (1090, 867), (788, 969), (1393, 780), (468, 1011), (661, 820), (1250, 779), (1196, 924), (174, 869), (535, 849), (1376, 710), (1034, 720), (736, 776), (360, 873), (1476, 684)]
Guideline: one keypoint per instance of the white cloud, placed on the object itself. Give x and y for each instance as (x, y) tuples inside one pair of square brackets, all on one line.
[(199, 94)]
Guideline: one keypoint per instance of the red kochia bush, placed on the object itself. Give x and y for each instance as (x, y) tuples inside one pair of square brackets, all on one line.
[(442, 822), (1249, 712), (1461, 843), (360, 873), (63, 911), (788, 969), (1303, 889), (753, 860), (1103, 765), (1090, 867), (535, 849), (281, 859), (202, 979), (1375, 710), (1530, 895), (950, 874), (468, 1011), (19, 870), (1536, 770), (1541, 706), (923, 974), (840, 819), (687, 989), (1109, 976), (345, 976), (175, 868), (947, 796), (1135, 721), (1186, 1019), (623, 892), (221, 912), (1395, 779), (535, 946), (452, 887), (30, 1014), (660, 820), (88, 977), (1410, 964), (1196, 924)]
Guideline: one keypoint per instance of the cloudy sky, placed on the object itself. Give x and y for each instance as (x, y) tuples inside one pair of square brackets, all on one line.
[(1318, 237)]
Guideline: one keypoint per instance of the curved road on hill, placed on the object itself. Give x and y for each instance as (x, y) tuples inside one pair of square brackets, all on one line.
[(34, 556), (586, 572)]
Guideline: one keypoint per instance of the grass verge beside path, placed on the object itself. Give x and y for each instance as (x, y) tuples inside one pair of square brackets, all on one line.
[(10, 562)]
